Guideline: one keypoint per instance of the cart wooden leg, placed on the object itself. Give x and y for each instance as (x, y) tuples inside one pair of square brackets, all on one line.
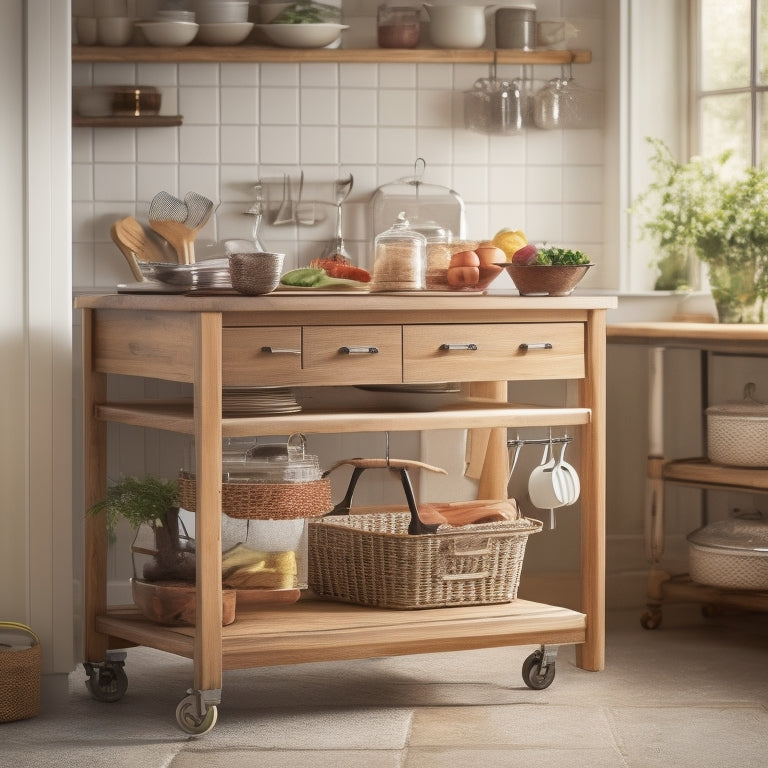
[(591, 654), (95, 485), (208, 432)]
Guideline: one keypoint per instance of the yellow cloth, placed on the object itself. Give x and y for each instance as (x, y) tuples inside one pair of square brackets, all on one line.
[(245, 568)]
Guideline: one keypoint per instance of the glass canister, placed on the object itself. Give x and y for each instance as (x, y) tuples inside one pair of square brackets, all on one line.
[(398, 26), (400, 259)]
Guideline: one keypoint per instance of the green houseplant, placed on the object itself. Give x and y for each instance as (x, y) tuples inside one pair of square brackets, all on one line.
[(153, 503), (702, 209)]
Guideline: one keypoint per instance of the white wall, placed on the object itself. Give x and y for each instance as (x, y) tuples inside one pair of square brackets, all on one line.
[(36, 566)]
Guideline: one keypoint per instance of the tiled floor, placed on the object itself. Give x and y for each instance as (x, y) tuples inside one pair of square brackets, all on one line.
[(692, 694)]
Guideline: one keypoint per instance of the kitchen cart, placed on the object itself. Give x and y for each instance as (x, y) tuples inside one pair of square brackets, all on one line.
[(698, 472), (310, 339)]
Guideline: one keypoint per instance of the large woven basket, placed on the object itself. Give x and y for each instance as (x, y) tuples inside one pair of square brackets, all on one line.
[(265, 501), (19, 675), (370, 559)]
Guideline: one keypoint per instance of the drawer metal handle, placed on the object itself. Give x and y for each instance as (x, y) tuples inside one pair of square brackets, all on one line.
[(358, 350), (277, 351), (536, 345), (449, 347)]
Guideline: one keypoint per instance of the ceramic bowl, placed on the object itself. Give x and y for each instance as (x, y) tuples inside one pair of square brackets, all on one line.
[(303, 35), (546, 280), (224, 34), (168, 33)]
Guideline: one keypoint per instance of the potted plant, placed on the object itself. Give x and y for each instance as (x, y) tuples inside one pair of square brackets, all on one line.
[(703, 209), (151, 503)]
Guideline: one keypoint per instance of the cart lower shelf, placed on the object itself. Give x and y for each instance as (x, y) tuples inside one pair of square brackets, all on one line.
[(315, 630), (665, 588)]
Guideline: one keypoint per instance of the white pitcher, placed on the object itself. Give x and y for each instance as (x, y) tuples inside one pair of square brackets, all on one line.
[(456, 26)]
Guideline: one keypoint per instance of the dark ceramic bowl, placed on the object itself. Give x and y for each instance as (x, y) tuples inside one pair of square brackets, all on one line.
[(546, 280)]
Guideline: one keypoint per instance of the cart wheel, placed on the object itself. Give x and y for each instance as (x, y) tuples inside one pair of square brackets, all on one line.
[(651, 619), (532, 675), (190, 722), (107, 682)]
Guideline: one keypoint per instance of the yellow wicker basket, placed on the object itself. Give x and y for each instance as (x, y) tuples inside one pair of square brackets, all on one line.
[(19, 674)]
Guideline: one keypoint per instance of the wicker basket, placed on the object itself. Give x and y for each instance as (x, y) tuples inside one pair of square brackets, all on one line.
[(265, 501), (19, 676), (255, 274), (370, 559)]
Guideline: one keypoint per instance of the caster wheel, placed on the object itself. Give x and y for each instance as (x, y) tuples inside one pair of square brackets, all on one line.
[(532, 675), (189, 722), (108, 682), (651, 619)]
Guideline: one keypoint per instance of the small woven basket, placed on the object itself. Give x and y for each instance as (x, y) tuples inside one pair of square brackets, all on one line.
[(265, 501), (20, 670), (370, 559), (255, 274)]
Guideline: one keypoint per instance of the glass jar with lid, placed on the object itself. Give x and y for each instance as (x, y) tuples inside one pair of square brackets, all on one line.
[(400, 258), (398, 26)]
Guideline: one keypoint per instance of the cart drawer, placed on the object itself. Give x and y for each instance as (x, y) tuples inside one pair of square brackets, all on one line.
[(493, 352), (353, 354), (267, 356)]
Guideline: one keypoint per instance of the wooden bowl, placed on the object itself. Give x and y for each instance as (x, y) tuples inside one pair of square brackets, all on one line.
[(546, 280), (172, 603)]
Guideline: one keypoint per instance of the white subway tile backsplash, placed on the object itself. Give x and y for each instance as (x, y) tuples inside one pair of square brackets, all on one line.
[(396, 145), (114, 145), (239, 106), (199, 74), (544, 223), (114, 181), (152, 178), (397, 76), (434, 76), (279, 144), (199, 106), (359, 75), (543, 183), (243, 74), (279, 106), (157, 145), (357, 145), (199, 144), (434, 108), (246, 121), (82, 182), (319, 74), (239, 144), (319, 106), (319, 144), (158, 74), (397, 107)]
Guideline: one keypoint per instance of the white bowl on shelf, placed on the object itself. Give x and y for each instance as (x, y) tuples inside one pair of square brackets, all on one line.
[(227, 11), (225, 33), (303, 35), (168, 33)]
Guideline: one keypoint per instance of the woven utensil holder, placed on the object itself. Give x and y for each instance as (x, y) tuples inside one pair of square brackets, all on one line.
[(19, 677), (265, 501)]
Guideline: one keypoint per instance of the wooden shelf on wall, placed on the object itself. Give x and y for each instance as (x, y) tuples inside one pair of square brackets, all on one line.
[(142, 121), (262, 53)]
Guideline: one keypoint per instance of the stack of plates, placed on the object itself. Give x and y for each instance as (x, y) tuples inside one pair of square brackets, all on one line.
[(212, 274), (258, 401)]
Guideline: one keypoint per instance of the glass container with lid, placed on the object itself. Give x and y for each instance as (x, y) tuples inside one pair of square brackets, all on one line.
[(398, 26), (400, 258)]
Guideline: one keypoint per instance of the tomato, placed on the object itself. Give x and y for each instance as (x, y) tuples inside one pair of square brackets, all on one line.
[(463, 276)]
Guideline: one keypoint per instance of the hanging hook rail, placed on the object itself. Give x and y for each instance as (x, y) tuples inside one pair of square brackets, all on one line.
[(538, 441)]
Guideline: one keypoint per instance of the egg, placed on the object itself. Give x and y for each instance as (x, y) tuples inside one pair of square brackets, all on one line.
[(488, 253)]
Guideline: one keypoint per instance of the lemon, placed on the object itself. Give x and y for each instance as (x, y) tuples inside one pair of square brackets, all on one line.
[(510, 240)]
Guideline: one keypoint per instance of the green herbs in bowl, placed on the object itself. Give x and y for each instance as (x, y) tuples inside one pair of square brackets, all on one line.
[(547, 271)]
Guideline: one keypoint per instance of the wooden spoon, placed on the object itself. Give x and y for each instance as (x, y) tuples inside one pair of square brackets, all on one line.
[(130, 256), (133, 235)]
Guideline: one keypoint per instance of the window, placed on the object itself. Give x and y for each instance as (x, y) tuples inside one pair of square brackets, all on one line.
[(731, 94)]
